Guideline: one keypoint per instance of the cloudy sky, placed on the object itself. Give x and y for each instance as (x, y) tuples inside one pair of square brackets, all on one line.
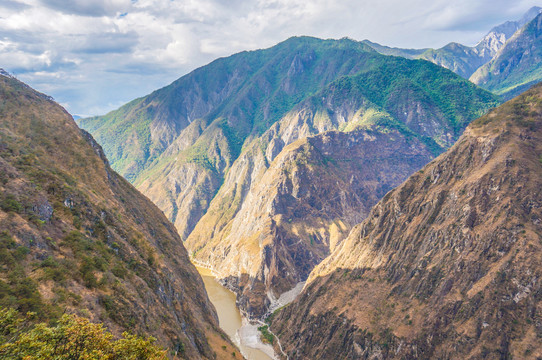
[(94, 55)]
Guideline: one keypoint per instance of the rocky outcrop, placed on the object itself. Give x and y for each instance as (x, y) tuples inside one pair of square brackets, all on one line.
[(448, 265), (471, 62), (215, 180), (516, 66), (76, 237)]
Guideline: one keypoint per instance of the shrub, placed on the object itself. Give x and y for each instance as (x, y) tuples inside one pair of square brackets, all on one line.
[(266, 335), (10, 204), (72, 338)]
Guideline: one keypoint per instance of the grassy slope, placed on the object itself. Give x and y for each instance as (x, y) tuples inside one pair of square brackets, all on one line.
[(76, 237)]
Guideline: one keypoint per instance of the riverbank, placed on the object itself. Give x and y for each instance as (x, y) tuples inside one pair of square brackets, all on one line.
[(245, 335)]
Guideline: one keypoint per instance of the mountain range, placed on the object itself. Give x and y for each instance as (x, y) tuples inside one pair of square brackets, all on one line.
[(506, 61), (447, 265), (249, 137), (396, 195)]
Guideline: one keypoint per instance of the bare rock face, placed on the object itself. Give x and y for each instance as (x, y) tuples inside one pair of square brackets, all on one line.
[(448, 265), (76, 237), (277, 216), (516, 66), (299, 208), (494, 41), (221, 178)]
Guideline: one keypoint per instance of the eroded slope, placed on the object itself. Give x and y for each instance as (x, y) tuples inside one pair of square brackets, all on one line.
[(76, 237), (448, 265)]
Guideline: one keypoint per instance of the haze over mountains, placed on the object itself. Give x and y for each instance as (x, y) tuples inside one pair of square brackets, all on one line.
[(506, 61)]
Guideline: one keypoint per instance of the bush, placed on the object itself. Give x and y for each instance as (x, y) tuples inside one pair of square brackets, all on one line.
[(72, 338), (10, 204), (267, 337), (87, 274)]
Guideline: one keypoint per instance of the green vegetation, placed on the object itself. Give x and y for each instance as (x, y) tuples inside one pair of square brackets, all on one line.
[(516, 67), (10, 204), (267, 337), (71, 338), (18, 290), (392, 83), (268, 84)]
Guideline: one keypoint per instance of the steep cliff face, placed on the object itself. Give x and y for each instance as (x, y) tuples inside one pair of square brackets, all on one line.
[(299, 208), (448, 265), (287, 199), (209, 176), (517, 65), (76, 237)]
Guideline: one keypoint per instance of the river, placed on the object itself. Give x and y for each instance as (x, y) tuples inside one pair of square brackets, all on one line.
[(244, 335)]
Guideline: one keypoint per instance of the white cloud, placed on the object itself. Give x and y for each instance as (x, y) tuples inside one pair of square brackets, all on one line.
[(95, 55), (88, 8)]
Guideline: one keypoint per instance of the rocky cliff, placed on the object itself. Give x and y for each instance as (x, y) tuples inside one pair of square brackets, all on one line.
[(76, 237), (299, 188), (216, 179), (448, 265), (516, 66), (474, 62)]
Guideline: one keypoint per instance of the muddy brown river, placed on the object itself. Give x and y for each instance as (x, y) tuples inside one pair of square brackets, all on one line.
[(230, 319)]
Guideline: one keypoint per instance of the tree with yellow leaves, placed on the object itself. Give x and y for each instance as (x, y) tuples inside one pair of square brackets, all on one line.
[(72, 338)]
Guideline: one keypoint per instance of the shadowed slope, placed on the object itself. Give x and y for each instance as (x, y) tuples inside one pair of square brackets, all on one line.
[(76, 237), (448, 265)]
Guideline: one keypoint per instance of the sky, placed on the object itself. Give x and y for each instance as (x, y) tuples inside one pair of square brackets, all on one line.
[(93, 56)]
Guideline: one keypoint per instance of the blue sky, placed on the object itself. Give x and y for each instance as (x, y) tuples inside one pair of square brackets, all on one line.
[(94, 55)]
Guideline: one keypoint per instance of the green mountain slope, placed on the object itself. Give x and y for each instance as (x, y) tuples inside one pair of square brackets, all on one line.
[(203, 180), (75, 237), (477, 62), (447, 265), (517, 65), (251, 90)]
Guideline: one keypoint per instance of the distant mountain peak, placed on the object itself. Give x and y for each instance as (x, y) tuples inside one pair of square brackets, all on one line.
[(516, 66), (530, 15), (499, 35)]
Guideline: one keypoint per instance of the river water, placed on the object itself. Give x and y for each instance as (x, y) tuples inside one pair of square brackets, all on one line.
[(230, 320)]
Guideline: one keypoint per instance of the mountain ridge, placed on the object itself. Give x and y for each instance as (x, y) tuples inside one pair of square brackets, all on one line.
[(446, 265), (474, 62), (78, 238), (303, 87), (516, 65)]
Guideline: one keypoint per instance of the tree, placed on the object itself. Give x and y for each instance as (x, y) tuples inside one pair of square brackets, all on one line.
[(72, 338)]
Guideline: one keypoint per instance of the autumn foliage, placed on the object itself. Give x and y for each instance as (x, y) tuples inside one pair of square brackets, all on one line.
[(72, 337)]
